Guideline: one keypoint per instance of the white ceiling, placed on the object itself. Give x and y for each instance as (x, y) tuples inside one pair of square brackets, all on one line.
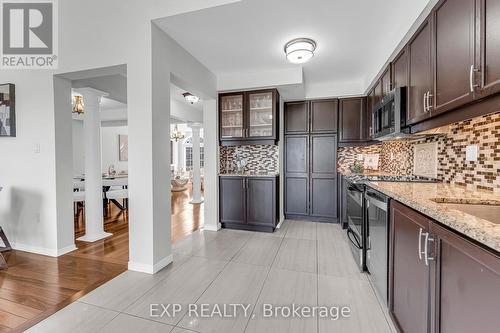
[(355, 37)]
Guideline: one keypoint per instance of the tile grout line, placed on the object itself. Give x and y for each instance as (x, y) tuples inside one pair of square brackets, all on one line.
[(210, 284), (264, 282), (157, 283)]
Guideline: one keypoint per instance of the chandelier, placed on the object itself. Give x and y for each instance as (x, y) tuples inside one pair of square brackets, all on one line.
[(176, 135), (78, 105)]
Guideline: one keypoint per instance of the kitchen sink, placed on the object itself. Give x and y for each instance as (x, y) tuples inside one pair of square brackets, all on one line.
[(489, 210)]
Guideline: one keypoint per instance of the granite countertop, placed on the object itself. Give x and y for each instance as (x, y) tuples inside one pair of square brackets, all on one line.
[(418, 196), (250, 174), (349, 173)]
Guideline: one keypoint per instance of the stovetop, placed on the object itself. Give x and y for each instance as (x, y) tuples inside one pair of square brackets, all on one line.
[(382, 178)]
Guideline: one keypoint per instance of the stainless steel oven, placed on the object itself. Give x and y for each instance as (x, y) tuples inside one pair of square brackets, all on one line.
[(377, 240), (356, 221)]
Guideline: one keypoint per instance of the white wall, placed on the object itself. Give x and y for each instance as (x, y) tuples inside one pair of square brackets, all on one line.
[(110, 148), (33, 206)]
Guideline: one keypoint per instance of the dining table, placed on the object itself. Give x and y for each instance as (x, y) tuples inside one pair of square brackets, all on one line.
[(108, 181), (5, 247)]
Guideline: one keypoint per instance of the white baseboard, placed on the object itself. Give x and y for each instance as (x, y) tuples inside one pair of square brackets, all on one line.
[(94, 238), (150, 269), (42, 250), (66, 249), (211, 227)]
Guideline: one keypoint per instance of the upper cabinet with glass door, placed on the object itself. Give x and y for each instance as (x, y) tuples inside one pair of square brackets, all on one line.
[(261, 114), (255, 122), (231, 116)]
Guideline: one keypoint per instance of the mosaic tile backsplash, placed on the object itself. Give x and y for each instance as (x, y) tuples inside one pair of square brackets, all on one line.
[(259, 158), (397, 157)]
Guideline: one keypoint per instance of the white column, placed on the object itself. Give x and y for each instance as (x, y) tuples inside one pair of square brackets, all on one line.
[(94, 224), (211, 167), (180, 155), (195, 127)]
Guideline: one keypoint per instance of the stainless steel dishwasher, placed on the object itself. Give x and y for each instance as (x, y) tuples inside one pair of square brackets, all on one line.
[(377, 240)]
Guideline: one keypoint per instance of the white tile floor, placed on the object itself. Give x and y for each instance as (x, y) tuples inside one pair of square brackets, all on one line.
[(303, 263)]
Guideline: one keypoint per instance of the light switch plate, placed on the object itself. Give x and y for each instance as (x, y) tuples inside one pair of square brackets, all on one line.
[(471, 153)]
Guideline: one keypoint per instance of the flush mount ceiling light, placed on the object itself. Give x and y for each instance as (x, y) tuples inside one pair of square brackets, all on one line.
[(191, 98), (300, 50)]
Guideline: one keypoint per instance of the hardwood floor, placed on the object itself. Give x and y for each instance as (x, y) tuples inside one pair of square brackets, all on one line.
[(35, 286)]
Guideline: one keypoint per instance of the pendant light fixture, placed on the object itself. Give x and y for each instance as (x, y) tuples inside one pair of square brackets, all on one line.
[(78, 106), (176, 135), (300, 50), (191, 98)]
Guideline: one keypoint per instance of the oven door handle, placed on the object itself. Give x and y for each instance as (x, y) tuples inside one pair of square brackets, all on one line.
[(376, 202), (355, 242)]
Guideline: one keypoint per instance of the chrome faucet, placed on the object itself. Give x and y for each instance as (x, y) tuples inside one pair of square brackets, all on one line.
[(240, 163)]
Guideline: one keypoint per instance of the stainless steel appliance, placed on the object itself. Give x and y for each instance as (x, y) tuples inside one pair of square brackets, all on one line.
[(367, 216), (377, 240), (356, 221), (389, 116)]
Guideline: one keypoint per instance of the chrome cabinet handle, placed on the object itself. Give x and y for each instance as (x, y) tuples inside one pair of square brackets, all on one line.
[(428, 239), (420, 233), (471, 78), (429, 96), (425, 102)]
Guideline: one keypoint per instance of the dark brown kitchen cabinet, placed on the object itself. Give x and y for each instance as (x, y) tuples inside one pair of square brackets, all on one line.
[(370, 104), (353, 119), (249, 117), (379, 93), (466, 284), (386, 81), (297, 175), (420, 78), (454, 45), (261, 201), (310, 156), (440, 282), (409, 276), (400, 70), (232, 200), (489, 51), (323, 177), (297, 117), (324, 116), (231, 110), (249, 203)]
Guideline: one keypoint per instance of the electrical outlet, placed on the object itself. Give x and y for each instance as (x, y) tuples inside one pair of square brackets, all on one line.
[(360, 157), (471, 153), (36, 148)]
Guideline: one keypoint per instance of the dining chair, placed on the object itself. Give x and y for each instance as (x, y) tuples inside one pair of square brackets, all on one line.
[(114, 195)]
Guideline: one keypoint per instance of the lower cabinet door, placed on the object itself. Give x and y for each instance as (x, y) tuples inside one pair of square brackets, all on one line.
[(409, 281), (466, 285), (297, 195), (232, 199), (261, 201)]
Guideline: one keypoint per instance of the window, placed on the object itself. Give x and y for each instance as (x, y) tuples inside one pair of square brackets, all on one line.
[(189, 158)]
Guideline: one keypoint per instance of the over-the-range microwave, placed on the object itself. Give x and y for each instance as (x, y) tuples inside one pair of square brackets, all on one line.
[(389, 116)]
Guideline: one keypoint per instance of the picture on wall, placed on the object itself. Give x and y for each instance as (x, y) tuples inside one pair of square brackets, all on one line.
[(7, 110), (123, 143)]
